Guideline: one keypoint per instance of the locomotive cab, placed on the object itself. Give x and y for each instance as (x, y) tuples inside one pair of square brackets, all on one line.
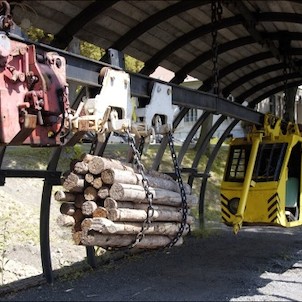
[(262, 179)]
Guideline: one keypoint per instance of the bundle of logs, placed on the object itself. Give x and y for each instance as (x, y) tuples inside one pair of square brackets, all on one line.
[(107, 202)]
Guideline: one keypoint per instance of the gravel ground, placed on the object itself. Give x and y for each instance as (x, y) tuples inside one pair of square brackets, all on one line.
[(259, 264)]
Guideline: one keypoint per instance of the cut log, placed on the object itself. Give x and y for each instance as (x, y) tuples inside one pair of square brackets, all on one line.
[(121, 191), (89, 178), (67, 208), (109, 176), (80, 199), (97, 182), (162, 183), (140, 215), (99, 164), (103, 192), (124, 192), (110, 203), (86, 158), (65, 220), (77, 235), (90, 193), (73, 183), (116, 241), (64, 196), (78, 216), (106, 226), (89, 207), (80, 167), (100, 212)]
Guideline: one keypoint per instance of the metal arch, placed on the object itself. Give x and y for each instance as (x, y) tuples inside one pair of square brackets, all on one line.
[(237, 65), (155, 19), (65, 35), (181, 74), (152, 63), (252, 75), (190, 135), (44, 217), (278, 17), (229, 88), (273, 91), (222, 138), (265, 84), (243, 63), (196, 33), (208, 168), (204, 145)]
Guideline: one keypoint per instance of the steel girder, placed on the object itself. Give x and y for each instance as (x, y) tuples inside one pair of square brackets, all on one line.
[(65, 35), (199, 32)]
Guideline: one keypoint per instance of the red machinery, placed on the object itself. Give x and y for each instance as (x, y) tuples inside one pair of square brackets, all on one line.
[(33, 94)]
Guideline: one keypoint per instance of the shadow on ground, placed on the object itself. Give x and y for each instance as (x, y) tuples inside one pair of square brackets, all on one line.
[(260, 263)]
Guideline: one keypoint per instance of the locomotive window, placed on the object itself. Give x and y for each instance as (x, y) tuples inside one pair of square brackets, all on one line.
[(237, 163), (268, 162)]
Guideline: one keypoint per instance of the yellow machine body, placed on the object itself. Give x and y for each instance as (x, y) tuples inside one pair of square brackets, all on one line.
[(262, 181)]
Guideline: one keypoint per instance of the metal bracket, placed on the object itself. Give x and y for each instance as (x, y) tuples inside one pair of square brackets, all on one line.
[(158, 114)]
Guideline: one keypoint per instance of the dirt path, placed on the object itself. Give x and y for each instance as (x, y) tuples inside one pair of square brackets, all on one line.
[(259, 264)]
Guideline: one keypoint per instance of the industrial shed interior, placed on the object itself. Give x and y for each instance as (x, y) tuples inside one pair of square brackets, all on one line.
[(239, 52)]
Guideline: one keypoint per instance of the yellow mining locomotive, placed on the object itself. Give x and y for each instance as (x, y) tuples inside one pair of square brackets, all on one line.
[(262, 180)]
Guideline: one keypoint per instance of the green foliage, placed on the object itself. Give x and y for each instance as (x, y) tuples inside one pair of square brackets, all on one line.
[(91, 51), (86, 49), (38, 35), (132, 64)]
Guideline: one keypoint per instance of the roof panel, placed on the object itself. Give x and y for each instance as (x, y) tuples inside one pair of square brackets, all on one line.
[(149, 30)]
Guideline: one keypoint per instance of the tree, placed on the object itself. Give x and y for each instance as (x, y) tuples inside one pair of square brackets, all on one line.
[(86, 49)]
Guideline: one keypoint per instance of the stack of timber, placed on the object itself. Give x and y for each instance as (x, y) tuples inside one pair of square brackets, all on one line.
[(108, 203)]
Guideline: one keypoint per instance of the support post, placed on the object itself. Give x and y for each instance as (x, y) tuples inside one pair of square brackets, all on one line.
[(246, 184), (44, 218)]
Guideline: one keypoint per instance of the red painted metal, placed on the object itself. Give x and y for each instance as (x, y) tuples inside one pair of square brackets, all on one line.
[(31, 85)]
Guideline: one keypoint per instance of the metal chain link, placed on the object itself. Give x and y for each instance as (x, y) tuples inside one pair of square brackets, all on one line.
[(285, 74), (149, 195), (93, 144), (182, 192), (216, 9)]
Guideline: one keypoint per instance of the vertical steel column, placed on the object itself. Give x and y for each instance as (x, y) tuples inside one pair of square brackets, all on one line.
[(2, 153), (44, 217), (207, 170), (185, 145), (203, 147)]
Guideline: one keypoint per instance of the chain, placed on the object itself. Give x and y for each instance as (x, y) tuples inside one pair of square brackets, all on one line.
[(93, 144), (216, 16), (141, 145), (145, 182), (285, 74), (182, 192)]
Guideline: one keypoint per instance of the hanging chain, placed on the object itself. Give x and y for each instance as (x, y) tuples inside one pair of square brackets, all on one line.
[(216, 9), (93, 144), (145, 182), (182, 192), (285, 82), (149, 195), (141, 145)]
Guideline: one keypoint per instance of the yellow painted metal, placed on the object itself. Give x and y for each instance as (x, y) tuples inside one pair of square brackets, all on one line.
[(237, 223), (263, 202)]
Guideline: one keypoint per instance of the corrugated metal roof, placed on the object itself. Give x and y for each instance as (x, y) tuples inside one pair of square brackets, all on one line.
[(253, 37)]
